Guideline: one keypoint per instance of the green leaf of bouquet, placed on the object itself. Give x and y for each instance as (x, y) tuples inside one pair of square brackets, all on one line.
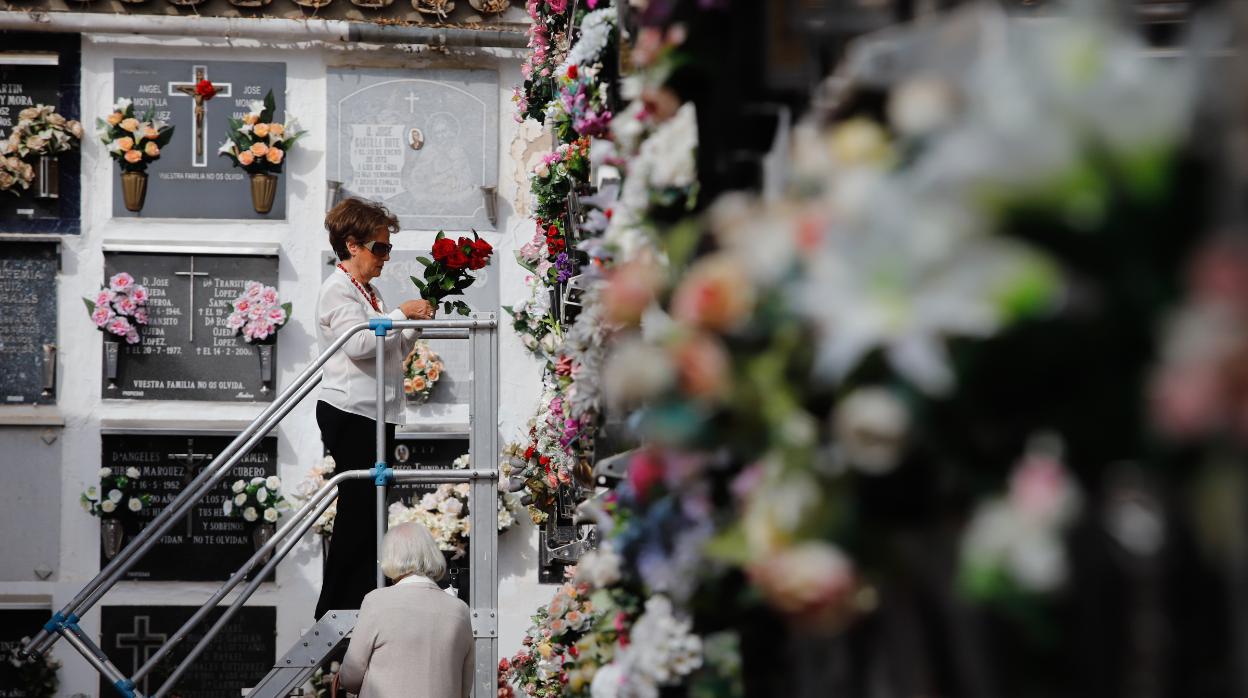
[(463, 308), (446, 307), (419, 284), (90, 305), (729, 547), (440, 235), (165, 136), (448, 284), (266, 115), (287, 307), (424, 260)]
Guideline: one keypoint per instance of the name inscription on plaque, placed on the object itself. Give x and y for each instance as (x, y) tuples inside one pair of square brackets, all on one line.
[(28, 323), (190, 180), (238, 657), (207, 545), (186, 350)]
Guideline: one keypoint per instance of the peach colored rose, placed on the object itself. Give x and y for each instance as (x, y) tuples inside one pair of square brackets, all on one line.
[(418, 384), (114, 118), (277, 130), (133, 156), (630, 290), (261, 130), (245, 158), (125, 143), (716, 295), (259, 149), (131, 125), (251, 119), (274, 155), (150, 132), (152, 150), (703, 367), (434, 373)]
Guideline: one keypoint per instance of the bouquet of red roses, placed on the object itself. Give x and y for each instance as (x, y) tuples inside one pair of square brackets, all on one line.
[(447, 274)]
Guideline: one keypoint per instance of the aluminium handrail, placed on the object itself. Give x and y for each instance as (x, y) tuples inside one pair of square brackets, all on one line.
[(206, 479)]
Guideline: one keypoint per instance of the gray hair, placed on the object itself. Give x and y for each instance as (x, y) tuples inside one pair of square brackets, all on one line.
[(409, 549)]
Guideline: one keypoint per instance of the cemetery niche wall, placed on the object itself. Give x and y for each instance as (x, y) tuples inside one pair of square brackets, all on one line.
[(207, 545), (41, 69), (186, 351), (423, 146), (190, 180)]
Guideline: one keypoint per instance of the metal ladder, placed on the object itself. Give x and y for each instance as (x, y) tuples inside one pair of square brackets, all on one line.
[(481, 332)]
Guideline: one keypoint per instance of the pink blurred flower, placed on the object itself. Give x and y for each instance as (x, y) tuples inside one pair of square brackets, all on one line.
[(140, 316), (269, 296), (138, 294), (277, 315), (813, 583), (121, 282), (235, 321), (242, 305), (102, 315), (132, 337), (104, 297), (126, 305), (119, 326)]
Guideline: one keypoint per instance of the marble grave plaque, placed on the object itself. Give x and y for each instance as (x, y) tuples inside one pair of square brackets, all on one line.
[(430, 454), (186, 351), (28, 322), (423, 143), (41, 69), (206, 545), (190, 180), (238, 657), (395, 286)]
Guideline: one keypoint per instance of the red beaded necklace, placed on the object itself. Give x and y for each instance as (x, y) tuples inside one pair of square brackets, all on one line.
[(369, 294)]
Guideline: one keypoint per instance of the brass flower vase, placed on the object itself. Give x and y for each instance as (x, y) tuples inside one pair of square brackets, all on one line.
[(263, 191), (261, 534), (134, 190), (48, 177)]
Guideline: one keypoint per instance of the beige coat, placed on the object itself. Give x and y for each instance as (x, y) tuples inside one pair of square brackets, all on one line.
[(412, 640)]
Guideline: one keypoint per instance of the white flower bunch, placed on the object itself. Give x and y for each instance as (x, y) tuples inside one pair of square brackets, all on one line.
[(662, 649), (310, 485), (116, 493), (596, 30), (259, 498), (444, 511)]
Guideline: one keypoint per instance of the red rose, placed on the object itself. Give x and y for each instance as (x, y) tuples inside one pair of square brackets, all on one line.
[(482, 249), (205, 89), (443, 248), (457, 259), (528, 453), (543, 460), (552, 231), (572, 72)]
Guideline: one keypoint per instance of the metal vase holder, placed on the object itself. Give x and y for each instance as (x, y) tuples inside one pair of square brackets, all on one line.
[(112, 357), (111, 535), (48, 177), (264, 349), (262, 533)]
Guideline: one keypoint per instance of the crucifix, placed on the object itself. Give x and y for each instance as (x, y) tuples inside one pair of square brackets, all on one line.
[(191, 310), (140, 640), (411, 99), (199, 134), (192, 459)]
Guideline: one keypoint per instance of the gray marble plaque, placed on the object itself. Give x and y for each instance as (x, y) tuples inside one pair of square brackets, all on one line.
[(423, 146), (395, 286), (190, 180), (28, 322)]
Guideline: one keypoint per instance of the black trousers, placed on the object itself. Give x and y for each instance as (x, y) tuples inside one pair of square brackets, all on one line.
[(351, 566)]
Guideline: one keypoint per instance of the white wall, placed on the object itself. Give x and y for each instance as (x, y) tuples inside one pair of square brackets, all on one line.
[(302, 239)]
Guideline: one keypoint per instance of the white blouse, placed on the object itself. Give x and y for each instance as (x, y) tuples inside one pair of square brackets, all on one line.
[(350, 375)]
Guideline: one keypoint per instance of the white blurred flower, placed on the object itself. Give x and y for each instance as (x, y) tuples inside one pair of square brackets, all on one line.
[(270, 514), (106, 472), (249, 514), (240, 499), (599, 568), (273, 482), (115, 496), (108, 506), (227, 508), (133, 473), (262, 495), (871, 426), (135, 504), (636, 371), (921, 106)]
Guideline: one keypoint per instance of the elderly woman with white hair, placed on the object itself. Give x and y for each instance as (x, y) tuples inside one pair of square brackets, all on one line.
[(412, 638)]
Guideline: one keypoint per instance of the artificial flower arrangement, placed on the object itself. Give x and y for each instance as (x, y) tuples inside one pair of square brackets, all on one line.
[(321, 685), (549, 459), (120, 308), (549, 24), (257, 314), (16, 174), (133, 142), (310, 485), (258, 499), (35, 676), (444, 511), (257, 143), (447, 274), (117, 493), (557, 175), (531, 319), (422, 368), (581, 106), (41, 131)]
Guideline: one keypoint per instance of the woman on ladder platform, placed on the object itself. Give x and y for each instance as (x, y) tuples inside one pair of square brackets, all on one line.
[(359, 232)]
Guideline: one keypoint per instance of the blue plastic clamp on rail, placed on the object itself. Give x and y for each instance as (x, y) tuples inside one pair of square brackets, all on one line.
[(125, 687), (60, 620), (381, 325), (382, 475)]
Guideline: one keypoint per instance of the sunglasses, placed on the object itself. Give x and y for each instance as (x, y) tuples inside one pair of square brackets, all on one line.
[(379, 249)]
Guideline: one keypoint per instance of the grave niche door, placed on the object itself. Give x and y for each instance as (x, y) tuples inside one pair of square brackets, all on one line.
[(205, 545), (28, 322), (186, 351)]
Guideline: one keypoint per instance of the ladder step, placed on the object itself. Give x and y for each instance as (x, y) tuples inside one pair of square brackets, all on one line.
[(294, 668)]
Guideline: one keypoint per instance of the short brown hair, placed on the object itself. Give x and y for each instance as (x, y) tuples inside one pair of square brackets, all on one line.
[(356, 219)]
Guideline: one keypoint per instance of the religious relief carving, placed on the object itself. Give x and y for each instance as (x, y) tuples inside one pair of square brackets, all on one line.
[(490, 7), (441, 8)]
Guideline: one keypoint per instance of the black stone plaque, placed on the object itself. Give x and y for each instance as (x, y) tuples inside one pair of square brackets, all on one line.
[(430, 454), (207, 545), (238, 657), (28, 322), (187, 352), (41, 69), (190, 180), (15, 624)]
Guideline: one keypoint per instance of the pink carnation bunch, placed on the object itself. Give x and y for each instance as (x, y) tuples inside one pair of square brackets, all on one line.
[(120, 307), (257, 313)]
